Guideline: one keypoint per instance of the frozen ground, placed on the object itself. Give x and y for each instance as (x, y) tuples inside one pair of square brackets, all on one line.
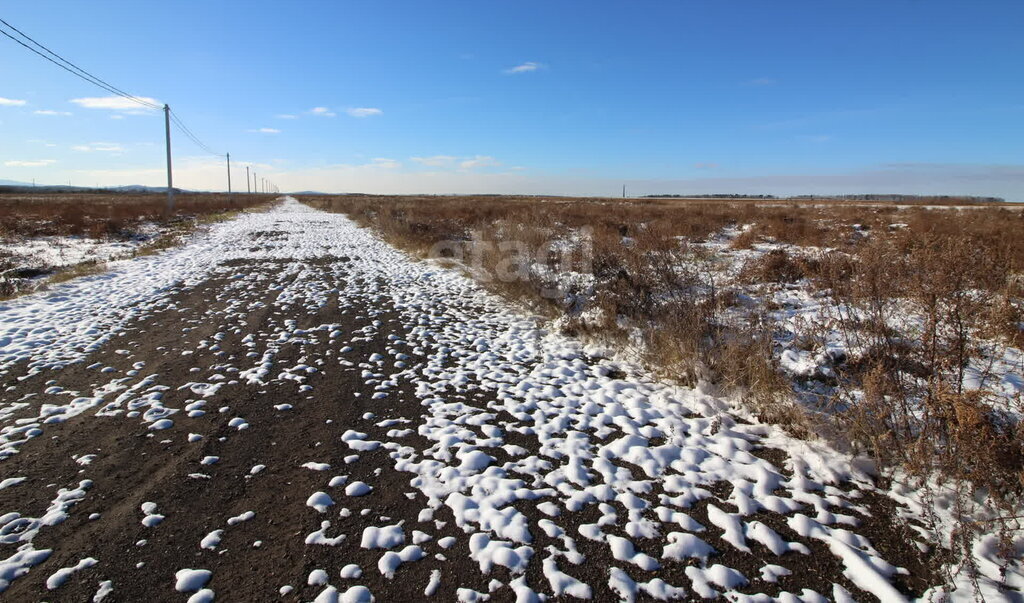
[(286, 408), (26, 261)]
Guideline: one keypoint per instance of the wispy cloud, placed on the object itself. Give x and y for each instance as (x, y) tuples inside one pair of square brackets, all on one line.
[(435, 160), (479, 161), (10, 102), (526, 67), (289, 115), (384, 162), (761, 81), (322, 112), (457, 163), (50, 112), (817, 119), (363, 111), (31, 163), (115, 103), (266, 131), (102, 147)]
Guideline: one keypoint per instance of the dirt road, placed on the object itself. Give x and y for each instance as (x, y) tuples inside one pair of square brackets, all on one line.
[(288, 409)]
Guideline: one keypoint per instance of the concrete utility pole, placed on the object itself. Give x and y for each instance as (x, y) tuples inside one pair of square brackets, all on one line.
[(229, 173), (170, 181), (247, 189)]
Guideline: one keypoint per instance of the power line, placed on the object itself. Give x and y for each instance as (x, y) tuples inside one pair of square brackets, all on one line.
[(77, 71), (187, 132), (85, 75), (72, 68), (57, 64)]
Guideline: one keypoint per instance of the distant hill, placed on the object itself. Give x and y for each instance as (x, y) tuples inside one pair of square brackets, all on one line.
[(13, 186)]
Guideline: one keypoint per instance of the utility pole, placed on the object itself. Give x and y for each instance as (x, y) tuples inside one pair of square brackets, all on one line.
[(247, 189), (623, 191), (170, 182), (229, 173), (255, 183)]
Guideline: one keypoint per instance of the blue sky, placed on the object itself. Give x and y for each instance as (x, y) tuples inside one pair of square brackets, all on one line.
[(917, 96)]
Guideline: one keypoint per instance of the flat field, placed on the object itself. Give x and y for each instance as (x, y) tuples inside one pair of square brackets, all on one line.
[(523, 399), (43, 234)]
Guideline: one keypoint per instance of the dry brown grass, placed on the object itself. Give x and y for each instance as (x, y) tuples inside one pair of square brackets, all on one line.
[(100, 215), (901, 397)]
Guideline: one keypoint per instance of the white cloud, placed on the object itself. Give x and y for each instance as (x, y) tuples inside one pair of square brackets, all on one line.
[(363, 111), (288, 115), (435, 160), (10, 102), (384, 162), (51, 112), (266, 131), (115, 103), (322, 111), (102, 147), (526, 67), (33, 163), (464, 163), (479, 161)]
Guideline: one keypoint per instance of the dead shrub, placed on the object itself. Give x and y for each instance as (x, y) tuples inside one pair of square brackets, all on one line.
[(776, 266), (744, 240)]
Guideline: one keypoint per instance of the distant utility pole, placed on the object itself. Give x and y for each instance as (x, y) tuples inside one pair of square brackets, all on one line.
[(623, 191), (229, 173), (170, 182), (247, 189)]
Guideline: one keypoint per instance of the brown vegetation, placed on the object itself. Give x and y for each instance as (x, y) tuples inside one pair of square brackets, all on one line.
[(918, 297), (102, 214)]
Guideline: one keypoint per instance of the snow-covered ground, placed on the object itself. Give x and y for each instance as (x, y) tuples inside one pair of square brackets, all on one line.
[(41, 256), (529, 453)]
